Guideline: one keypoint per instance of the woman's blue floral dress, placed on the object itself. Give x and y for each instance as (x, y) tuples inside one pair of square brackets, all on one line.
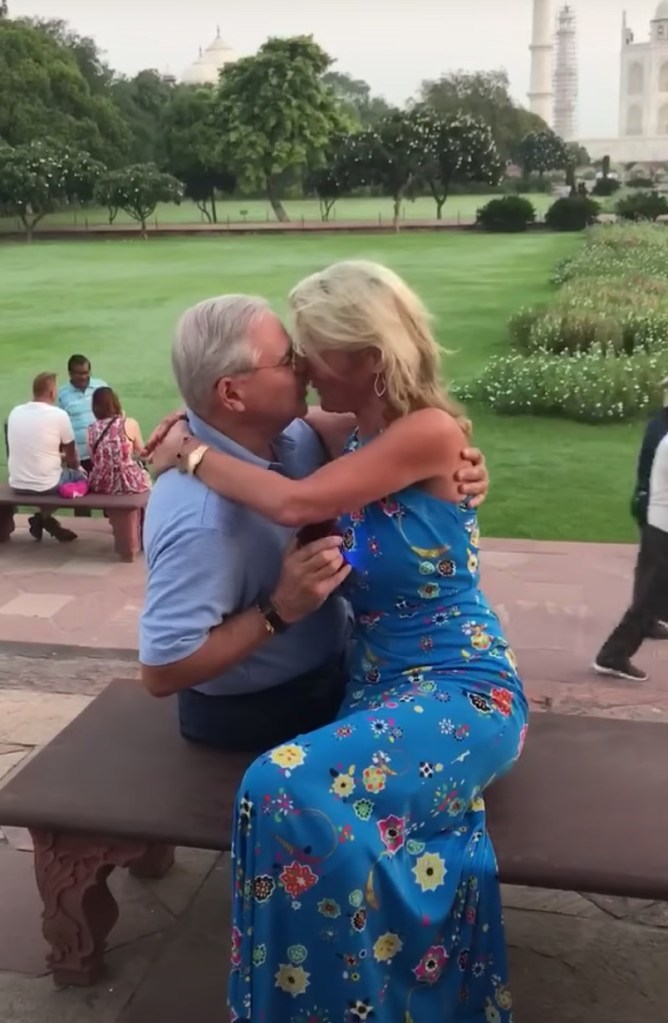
[(365, 883)]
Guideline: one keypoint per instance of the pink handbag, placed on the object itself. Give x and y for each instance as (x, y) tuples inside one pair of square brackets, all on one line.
[(71, 490)]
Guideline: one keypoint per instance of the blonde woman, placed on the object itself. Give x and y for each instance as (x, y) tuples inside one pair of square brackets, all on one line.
[(365, 880)]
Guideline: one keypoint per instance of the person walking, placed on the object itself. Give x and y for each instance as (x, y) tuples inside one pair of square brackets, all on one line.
[(651, 582)]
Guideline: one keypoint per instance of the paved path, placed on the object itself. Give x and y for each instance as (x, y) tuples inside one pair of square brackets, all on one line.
[(557, 601)]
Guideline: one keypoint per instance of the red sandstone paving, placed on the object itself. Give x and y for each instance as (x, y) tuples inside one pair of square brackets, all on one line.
[(557, 602)]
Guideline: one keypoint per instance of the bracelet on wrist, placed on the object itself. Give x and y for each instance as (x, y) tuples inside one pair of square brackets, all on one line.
[(274, 623)]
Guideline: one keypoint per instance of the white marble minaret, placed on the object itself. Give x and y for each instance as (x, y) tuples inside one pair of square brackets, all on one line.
[(540, 91)]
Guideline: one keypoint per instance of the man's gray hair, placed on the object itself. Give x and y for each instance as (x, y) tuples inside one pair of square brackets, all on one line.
[(211, 342)]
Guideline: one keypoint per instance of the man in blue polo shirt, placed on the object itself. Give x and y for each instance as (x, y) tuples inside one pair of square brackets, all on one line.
[(76, 398), (244, 624)]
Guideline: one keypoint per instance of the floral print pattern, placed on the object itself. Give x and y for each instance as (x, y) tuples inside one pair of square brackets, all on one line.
[(364, 878)]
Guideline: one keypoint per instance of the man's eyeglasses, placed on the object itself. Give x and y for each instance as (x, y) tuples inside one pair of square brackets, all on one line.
[(288, 361)]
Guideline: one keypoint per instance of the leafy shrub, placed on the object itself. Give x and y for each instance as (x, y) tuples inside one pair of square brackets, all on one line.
[(605, 187), (475, 188), (640, 182), (597, 386), (511, 214), (642, 206), (572, 213), (526, 186)]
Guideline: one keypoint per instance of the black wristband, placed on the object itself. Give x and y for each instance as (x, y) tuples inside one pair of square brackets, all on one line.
[(275, 623)]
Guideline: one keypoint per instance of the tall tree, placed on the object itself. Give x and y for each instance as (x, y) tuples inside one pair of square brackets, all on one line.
[(84, 49), (542, 151), (143, 102), (460, 149), (485, 96), (44, 94), (192, 151), (354, 95), (137, 190), (273, 112), (42, 177), (391, 156)]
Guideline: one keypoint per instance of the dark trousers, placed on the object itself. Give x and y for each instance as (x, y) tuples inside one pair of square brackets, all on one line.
[(650, 598), (256, 722)]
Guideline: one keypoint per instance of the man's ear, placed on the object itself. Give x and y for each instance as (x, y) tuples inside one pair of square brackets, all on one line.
[(230, 394)]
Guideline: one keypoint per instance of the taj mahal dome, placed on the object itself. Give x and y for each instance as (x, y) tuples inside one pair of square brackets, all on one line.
[(206, 69)]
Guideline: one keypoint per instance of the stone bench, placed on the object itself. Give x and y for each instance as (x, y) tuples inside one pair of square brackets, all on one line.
[(584, 810), (124, 511)]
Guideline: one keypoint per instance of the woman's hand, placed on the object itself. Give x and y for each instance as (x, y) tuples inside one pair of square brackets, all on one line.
[(168, 451), (160, 432), (473, 480)]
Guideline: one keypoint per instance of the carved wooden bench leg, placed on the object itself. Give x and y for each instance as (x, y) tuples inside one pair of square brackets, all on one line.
[(6, 522), (79, 910), (125, 524), (157, 861)]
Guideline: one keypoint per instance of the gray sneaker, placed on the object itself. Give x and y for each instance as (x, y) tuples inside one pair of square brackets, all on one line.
[(620, 669)]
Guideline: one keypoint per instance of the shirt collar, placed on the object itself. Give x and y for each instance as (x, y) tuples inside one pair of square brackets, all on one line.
[(282, 444)]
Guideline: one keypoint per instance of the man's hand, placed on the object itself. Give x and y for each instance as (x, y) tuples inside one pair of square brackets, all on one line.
[(308, 576), (473, 479)]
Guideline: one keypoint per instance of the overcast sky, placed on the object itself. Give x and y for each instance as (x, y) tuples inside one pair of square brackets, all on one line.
[(393, 44)]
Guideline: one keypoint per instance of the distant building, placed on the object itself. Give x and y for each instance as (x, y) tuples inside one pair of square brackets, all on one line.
[(643, 103), (206, 69)]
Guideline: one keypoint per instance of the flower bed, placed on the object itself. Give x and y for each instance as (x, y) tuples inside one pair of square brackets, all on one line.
[(597, 351)]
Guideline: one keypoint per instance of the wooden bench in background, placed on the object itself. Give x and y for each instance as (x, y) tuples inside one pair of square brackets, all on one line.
[(124, 511), (584, 810)]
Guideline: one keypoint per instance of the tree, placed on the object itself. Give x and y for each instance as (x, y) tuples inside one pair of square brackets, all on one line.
[(460, 149), (143, 102), (44, 95), (137, 190), (542, 151), (3, 9), (273, 112), (484, 96), (84, 49), (354, 95), (391, 156), (41, 177), (192, 151)]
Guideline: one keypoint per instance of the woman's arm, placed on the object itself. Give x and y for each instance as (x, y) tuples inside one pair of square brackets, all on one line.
[(133, 433), (416, 448)]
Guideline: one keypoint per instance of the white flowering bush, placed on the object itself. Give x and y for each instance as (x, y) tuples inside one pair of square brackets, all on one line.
[(596, 351), (597, 386)]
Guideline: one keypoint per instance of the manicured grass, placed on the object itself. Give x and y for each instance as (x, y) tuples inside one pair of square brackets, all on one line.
[(117, 302), (458, 207)]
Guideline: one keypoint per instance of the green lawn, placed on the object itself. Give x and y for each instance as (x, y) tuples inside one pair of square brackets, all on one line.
[(463, 207), (118, 301)]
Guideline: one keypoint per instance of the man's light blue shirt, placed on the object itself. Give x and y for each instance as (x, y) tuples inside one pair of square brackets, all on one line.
[(79, 406), (209, 558)]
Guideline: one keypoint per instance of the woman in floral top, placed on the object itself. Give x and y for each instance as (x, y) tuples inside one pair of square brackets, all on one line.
[(114, 443), (365, 882)]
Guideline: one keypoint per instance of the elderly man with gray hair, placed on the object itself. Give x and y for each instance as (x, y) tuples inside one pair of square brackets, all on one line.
[(243, 619)]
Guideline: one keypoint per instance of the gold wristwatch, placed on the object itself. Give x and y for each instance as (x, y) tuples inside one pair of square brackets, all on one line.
[(191, 461)]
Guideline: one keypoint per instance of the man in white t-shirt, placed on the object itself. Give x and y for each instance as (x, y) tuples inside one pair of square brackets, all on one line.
[(651, 583), (42, 453)]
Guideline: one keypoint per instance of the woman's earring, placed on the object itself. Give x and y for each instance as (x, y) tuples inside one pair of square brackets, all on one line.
[(379, 386)]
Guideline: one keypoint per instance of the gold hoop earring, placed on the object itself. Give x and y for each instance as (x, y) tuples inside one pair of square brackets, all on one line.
[(378, 387)]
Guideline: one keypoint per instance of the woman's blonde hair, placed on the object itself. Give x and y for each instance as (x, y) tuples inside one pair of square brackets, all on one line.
[(357, 304)]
